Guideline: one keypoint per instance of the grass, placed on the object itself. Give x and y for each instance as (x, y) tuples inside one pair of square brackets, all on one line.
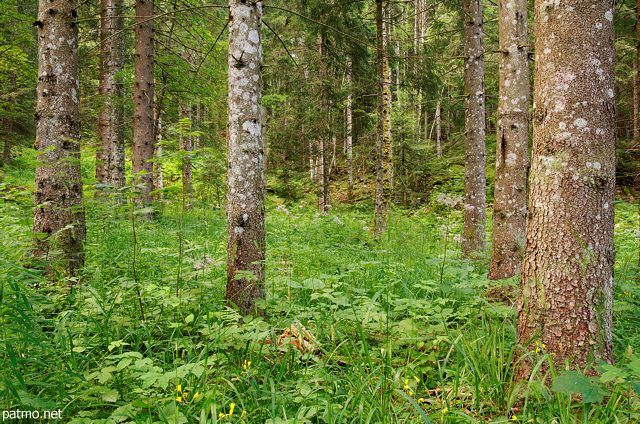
[(390, 332)]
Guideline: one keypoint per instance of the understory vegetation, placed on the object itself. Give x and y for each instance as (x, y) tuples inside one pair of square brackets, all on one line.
[(356, 331)]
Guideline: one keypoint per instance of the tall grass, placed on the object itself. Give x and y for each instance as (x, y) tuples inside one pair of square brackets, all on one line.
[(403, 332)]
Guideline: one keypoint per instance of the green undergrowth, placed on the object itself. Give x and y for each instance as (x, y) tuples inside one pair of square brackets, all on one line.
[(356, 331)]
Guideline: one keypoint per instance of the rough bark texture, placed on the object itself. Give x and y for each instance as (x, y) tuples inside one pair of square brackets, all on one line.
[(59, 221), (245, 198), (512, 159), (567, 276), (383, 132), (110, 167), (473, 236), (143, 137)]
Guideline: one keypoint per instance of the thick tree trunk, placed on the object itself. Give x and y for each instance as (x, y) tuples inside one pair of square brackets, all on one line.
[(567, 277), (512, 158), (59, 220), (143, 137), (473, 236), (110, 166), (383, 132), (245, 196), (349, 134)]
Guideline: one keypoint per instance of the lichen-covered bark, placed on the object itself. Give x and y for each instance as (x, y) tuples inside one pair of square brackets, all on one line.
[(567, 276), (143, 137), (474, 234), (110, 167), (349, 112), (383, 132), (512, 159), (245, 196), (59, 220)]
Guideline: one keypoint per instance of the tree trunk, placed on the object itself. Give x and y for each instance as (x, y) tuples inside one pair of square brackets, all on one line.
[(186, 140), (59, 220), (110, 166), (157, 166), (567, 277), (245, 196), (383, 164), (349, 133), (8, 123), (512, 157), (438, 119), (143, 137), (322, 162), (473, 237)]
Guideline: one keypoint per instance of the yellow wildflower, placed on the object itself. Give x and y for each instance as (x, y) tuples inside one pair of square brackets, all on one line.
[(445, 410), (196, 395), (231, 406), (179, 388), (421, 400), (416, 378), (514, 418), (220, 415), (179, 399)]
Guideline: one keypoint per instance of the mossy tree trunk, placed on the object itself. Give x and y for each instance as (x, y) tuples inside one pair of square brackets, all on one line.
[(59, 219), (567, 278), (245, 196), (383, 126)]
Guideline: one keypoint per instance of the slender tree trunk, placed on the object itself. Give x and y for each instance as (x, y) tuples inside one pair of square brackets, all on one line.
[(110, 163), (323, 163), (245, 195), (438, 119), (567, 277), (143, 137), (187, 139), (636, 103), (8, 124), (512, 157), (59, 220), (383, 165), (157, 166), (349, 133), (474, 234)]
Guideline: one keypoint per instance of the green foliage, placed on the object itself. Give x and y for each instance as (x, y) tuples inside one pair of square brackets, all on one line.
[(401, 331)]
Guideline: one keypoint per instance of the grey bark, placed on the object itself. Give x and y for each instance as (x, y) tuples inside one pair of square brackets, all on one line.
[(110, 161), (59, 219), (245, 196), (349, 111), (567, 277), (383, 126), (474, 234), (143, 137), (512, 158)]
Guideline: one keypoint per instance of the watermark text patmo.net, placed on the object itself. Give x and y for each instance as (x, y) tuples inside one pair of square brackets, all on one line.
[(18, 414)]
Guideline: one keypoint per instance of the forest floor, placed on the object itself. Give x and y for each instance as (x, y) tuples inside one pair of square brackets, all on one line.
[(356, 331)]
